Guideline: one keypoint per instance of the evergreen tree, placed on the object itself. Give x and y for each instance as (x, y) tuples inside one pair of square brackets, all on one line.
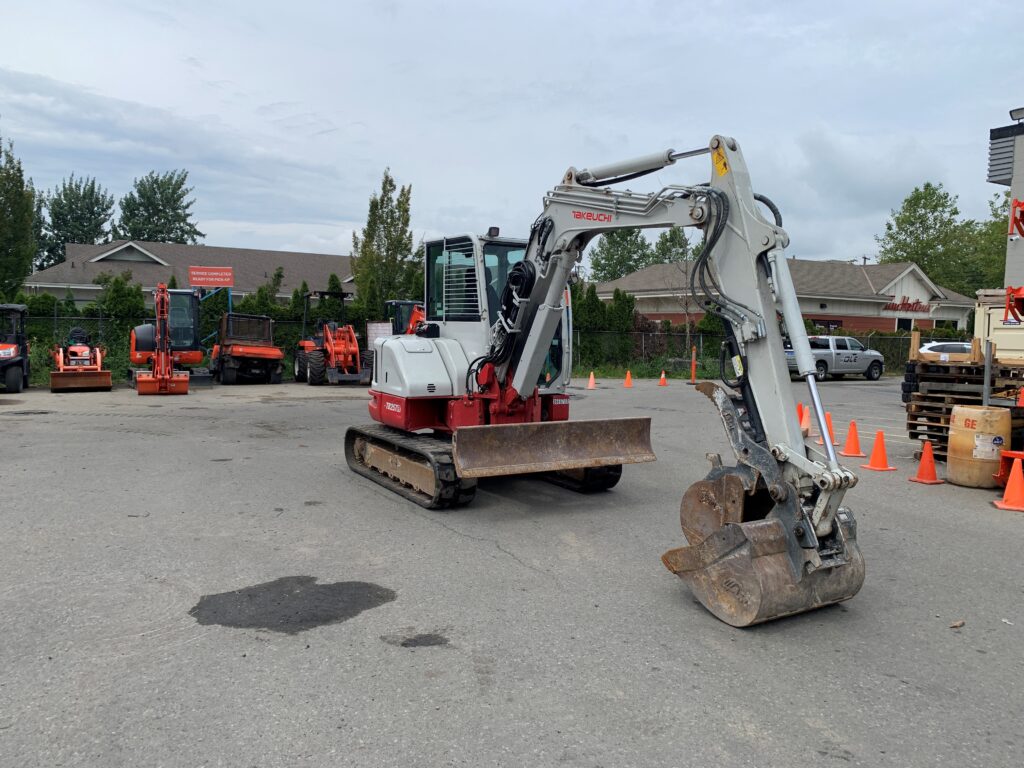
[(384, 265), (157, 210), (17, 223), (77, 211)]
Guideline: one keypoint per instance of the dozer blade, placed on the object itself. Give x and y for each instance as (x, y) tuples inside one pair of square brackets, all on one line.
[(148, 384), (551, 446), (746, 566), (67, 381)]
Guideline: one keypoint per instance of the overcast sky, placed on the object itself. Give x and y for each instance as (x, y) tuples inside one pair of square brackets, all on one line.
[(286, 114)]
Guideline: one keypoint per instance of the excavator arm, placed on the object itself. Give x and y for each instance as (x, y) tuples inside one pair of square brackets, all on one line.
[(767, 536)]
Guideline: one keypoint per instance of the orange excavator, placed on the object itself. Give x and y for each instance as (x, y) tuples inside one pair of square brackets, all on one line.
[(79, 365), (153, 345)]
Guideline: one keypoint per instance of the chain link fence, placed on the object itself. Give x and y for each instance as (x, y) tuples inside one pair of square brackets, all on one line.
[(648, 353)]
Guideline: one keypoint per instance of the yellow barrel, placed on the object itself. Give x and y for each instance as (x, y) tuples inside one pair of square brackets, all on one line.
[(977, 435)]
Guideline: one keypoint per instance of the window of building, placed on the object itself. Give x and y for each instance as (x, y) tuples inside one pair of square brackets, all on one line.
[(904, 324)]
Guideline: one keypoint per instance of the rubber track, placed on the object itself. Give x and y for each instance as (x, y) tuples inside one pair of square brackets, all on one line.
[(595, 479), (449, 491)]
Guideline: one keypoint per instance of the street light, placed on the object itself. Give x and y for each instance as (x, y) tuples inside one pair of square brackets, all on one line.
[(1017, 114)]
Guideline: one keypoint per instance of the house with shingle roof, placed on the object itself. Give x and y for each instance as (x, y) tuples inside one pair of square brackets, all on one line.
[(152, 263), (832, 294)]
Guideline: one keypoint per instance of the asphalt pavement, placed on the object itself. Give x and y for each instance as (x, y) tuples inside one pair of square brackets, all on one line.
[(193, 581)]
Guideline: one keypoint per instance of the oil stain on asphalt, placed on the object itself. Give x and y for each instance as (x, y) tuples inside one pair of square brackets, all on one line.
[(291, 604)]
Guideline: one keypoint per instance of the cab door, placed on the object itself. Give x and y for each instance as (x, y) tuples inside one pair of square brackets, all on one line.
[(846, 358)]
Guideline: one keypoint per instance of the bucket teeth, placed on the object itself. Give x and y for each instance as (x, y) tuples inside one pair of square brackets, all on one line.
[(744, 562)]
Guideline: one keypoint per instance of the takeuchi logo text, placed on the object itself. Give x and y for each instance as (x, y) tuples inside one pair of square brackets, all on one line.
[(906, 305)]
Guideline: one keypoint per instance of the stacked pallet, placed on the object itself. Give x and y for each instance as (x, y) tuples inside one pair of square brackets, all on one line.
[(934, 384)]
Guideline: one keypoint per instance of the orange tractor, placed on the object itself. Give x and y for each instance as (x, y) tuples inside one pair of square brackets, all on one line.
[(245, 349), (331, 354), (79, 365), (171, 341)]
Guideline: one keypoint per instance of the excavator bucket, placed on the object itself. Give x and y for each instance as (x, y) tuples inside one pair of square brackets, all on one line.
[(565, 447), (747, 559), (69, 381)]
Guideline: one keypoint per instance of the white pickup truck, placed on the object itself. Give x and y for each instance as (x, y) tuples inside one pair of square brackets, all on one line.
[(837, 356)]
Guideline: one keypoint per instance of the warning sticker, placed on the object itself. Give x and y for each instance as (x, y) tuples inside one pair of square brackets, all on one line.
[(721, 164), (987, 447)]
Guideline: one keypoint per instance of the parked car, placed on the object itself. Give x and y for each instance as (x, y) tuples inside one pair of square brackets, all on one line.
[(837, 356), (947, 347)]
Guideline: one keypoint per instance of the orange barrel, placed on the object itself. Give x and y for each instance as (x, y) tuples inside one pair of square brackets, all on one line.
[(977, 435)]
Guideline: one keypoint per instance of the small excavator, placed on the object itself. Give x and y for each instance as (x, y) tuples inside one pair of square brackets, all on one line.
[(153, 345), (767, 536), (78, 365)]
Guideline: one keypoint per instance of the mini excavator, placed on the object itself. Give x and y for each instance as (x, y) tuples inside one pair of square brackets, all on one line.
[(765, 537), (153, 345)]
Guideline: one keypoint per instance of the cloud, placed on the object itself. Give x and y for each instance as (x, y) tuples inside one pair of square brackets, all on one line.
[(288, 119)]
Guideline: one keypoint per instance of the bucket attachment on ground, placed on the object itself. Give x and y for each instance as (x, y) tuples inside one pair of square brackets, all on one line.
[(748, 562), (71, 380), (757, 547), (551, 446)]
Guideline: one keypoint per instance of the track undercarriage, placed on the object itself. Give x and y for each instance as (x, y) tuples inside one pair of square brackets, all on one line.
[(421, 467)]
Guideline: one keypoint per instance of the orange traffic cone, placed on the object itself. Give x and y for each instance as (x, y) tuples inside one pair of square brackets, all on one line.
[(662, 382), (805, 422), (628, 384), (926, 469), (1013, 496), (591, 384), (879, 461), (852, 447), (799, 412), (831, 431)]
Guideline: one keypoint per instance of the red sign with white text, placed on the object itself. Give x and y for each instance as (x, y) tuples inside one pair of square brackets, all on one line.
[(211, 277)]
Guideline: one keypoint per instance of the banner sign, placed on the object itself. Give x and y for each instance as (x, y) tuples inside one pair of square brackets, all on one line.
[(211, 277)]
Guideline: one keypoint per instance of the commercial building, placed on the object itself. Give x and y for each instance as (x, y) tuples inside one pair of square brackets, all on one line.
[(152, 263), (833, 294)]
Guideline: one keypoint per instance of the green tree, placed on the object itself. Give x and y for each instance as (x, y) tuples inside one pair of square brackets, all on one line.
[(69, 307), (989, 240), (157, 210), (77, 211), (926, 231), (620, 252), (384, 265), (173, 282), (17, 223), (672, 246), (119, 299)]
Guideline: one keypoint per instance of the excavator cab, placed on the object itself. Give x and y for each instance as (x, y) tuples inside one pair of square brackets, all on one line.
[(465, 277)]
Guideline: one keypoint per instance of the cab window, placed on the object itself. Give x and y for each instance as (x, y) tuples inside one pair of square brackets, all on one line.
[(841, 345), (451, 281), (856, 346)]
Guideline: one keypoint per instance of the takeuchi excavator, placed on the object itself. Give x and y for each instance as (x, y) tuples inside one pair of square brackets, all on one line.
[(766, 537)]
